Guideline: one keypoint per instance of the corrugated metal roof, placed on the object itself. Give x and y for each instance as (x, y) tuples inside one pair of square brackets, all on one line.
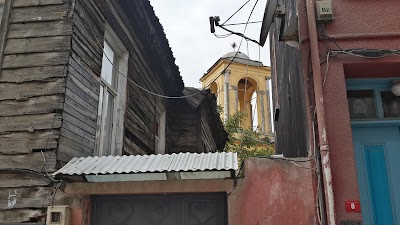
[(150, 163)]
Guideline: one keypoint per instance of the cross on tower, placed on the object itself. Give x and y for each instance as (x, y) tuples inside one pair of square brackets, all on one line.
[(234, 46)]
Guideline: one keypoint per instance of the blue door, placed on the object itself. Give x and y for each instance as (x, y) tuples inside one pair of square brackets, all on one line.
[(377, 155)]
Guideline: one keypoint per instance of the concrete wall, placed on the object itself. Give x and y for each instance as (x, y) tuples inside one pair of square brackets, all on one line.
[(272, 192)]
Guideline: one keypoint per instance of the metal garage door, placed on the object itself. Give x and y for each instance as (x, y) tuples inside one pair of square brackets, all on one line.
[(182, 209)]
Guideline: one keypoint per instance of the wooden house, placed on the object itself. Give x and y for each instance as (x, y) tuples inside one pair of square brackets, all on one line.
[(86, 78)]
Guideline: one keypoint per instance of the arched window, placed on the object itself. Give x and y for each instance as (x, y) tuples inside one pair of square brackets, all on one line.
[(247, 94)]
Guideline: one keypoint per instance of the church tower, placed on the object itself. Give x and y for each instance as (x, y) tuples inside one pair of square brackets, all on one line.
[(241, 86)]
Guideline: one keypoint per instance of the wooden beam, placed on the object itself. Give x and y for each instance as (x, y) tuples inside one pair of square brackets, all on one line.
[(20, 215), (25, 142), (34, 161), (30, 123), (32, 197), (44, 104), (22, 179)]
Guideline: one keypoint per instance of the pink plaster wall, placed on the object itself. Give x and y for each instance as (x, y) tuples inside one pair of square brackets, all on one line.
[(357, 24), (273, 192)]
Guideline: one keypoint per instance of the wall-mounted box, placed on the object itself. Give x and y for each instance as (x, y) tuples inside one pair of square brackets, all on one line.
[(58, 215), (324, 10)]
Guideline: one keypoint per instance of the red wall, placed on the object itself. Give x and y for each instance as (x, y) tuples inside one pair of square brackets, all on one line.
[(271, 192), (274, 192), (357, 24)]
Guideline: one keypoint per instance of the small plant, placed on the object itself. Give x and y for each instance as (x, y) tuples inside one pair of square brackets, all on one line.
[(245, 141)]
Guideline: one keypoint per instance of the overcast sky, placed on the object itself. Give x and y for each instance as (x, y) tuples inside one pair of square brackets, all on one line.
[(187, 28)]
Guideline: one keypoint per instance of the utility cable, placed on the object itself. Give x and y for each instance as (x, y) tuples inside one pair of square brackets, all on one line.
[(234, 24), (236, 12), (165, 96)]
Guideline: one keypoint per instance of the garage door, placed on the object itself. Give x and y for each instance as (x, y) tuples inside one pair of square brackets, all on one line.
[(182, 209)]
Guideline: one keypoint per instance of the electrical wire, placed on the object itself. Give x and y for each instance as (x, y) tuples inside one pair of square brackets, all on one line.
[(240, 45), (234, 24), (165, 96), (327, 69), (236, 12), (222, 35), (20, 170)]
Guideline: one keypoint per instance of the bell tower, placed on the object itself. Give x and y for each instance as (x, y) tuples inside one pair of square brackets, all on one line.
[(241, 85)]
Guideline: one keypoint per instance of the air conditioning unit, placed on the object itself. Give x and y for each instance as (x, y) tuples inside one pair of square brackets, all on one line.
[(58, 215)]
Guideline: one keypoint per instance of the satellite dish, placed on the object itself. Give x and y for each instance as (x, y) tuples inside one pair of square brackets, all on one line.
[(269, 15)]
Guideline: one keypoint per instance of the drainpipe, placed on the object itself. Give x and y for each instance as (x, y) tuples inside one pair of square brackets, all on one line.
[(319, 100)]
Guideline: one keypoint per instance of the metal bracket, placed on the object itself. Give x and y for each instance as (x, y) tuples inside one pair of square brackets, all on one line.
[(280, 10)]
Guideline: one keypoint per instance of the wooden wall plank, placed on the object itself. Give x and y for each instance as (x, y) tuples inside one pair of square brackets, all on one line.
[(25, 142), (79, 111), (73, 152), (74, 128), (92, 22), (35, 59), (83, 86), (87, 37), (64, 141), (79, 54), (35, 105), (70, 95), (38, 45), (22, 179), (32, 74), (131, 148), (91, 77), (33, 161), (77, 138), (39, 13), (87, 47), (30, 123), (20, 215), (30, 89), (25, 3), (39, 29), (33, 197)]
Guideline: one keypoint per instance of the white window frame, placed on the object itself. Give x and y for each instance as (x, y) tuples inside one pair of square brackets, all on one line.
[(119, 91)]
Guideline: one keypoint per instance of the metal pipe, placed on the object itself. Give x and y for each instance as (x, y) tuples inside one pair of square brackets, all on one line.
[(365, 35), (319, 100)]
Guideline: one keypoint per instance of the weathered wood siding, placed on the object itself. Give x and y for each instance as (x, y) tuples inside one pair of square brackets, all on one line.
[(207, 142), (78, 131), (32, 87), (195, 124), (288, 92), (144, 68), (185, 128)]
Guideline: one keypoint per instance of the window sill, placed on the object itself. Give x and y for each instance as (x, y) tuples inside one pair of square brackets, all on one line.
[(376, 123)]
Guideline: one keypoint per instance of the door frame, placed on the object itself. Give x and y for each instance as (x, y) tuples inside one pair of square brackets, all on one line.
[(377, 85), (220, 197)]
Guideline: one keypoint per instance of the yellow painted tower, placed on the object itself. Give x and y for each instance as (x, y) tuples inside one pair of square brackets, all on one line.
[(241, 86)]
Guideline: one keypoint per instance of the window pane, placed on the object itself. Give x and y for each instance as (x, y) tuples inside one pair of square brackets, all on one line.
[(362, 104), (107, 65), (391, 104), (108, 120)]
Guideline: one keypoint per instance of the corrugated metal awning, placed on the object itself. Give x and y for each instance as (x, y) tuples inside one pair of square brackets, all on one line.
[(152, 167)]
